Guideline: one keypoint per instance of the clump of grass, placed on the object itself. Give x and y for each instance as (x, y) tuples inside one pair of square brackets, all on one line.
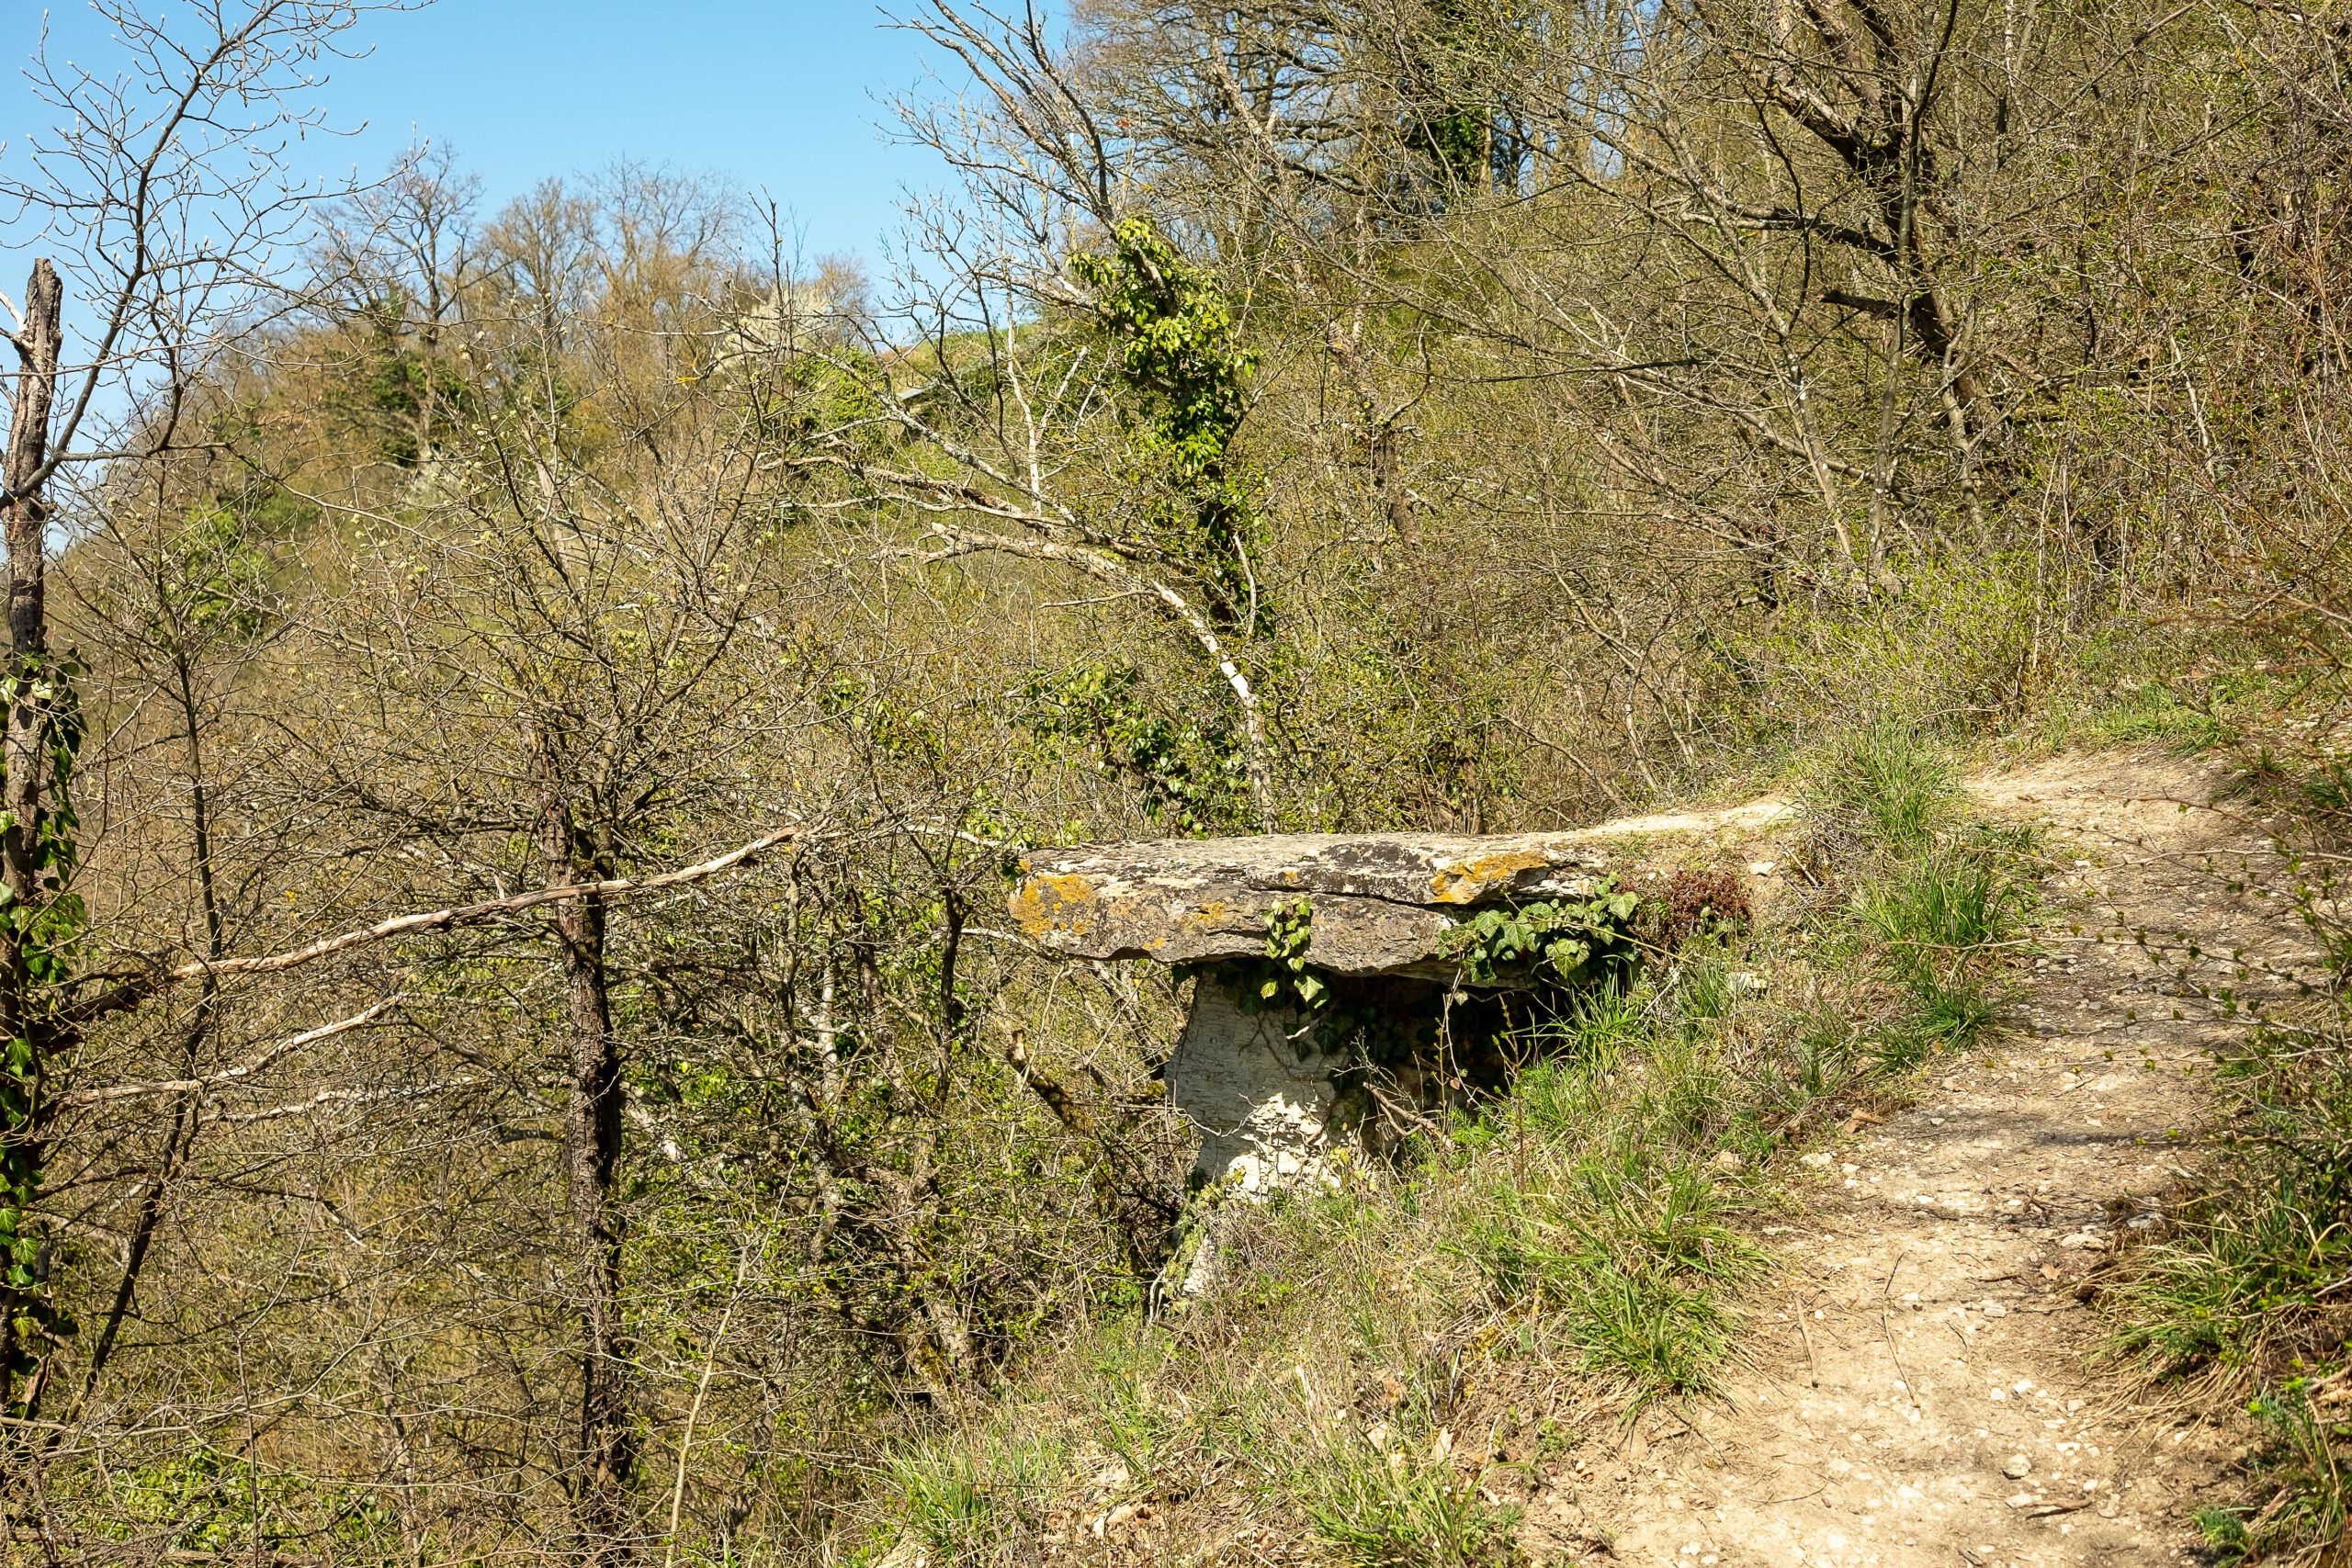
[(972, 1499), (1887, 786), (1943, 905), (1937, 897), (1377, 1500), (2236, 1279), (2246, 1290), (1631, 1247), (2307, 1505), (1133, 1428), (1587, 1196), (1936, 916)]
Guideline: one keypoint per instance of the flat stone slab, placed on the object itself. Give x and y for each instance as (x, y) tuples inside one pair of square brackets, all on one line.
[(1380, 900)]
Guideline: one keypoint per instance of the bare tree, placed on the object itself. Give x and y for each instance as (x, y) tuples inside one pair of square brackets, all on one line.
[(158, 188)]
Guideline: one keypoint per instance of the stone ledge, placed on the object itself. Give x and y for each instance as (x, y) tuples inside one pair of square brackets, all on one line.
[(1381, 901)]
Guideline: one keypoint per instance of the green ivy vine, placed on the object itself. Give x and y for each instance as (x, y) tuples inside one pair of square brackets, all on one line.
[(49, 927), (1189, 771), (1182, 357), (1280, 981), (1560, 943)]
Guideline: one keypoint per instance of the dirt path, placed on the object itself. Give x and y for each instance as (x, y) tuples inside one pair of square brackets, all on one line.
[(1939, 1403)]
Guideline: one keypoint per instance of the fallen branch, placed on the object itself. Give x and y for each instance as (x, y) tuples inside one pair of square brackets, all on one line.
[(270, 1058), (133, 992)]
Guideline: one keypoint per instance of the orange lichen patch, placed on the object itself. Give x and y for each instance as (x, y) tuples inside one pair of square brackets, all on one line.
[(1466, 882), (1043, 905), (1217, 914)]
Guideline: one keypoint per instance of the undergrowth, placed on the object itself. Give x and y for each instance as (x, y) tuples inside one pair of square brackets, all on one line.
[(1398, 1365), (2246, 1294)]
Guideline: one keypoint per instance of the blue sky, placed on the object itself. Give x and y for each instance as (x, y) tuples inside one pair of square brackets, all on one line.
[(787, 97)]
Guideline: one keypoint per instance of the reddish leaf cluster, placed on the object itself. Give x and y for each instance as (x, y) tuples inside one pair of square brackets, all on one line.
[(1692, 903)]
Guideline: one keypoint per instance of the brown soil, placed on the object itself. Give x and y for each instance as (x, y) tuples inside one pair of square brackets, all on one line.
[(1928, 1387)]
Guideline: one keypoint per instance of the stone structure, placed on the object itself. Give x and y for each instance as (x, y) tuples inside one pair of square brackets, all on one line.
[(1381, 901), (1270, 1105), (1259, 1090), (1266, 1099)]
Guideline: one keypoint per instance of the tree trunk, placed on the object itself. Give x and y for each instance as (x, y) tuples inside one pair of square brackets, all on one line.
[(605, 1456), (24, 1024)]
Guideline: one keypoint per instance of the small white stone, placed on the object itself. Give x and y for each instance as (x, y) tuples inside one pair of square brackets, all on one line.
[(2016, 1467)]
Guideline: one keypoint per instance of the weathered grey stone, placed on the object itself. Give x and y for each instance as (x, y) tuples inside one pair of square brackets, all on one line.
[(1380, 900), (1261, 1096), (1257, 1090)]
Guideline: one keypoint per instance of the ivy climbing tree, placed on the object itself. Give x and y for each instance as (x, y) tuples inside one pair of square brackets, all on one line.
[(989, 456), (39, 916), (1185, 370)]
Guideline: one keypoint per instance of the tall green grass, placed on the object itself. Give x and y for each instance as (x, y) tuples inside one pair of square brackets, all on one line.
[(1886, 785), (2246, 1294), (1388, 1496), (1606, 1216), (975, 1502)]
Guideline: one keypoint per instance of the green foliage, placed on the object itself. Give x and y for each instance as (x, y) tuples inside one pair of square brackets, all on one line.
[(1559, 943), (1455, 138), (208, 1502), (1631, 1249), (1182, 359), (1939, 900), (1384, 736), (49, 928), (2152, 710), (1190, 773), (2301, 1465), (1179, 347), (1888, 786), (895, 728), (1973, 644), (2257, 1261), (1283, 979), (388, 382), (218, 578)]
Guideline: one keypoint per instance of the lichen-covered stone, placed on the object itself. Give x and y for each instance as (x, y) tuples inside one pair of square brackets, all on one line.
[(1380, 900), (1269, 1106)]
